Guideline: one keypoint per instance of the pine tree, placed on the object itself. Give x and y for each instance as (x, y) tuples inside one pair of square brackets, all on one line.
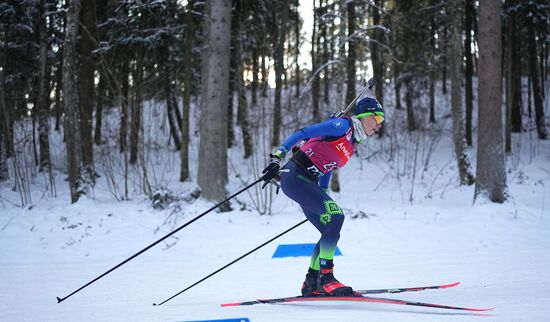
[(70, 99), (212, 175), (43, 91), (455, 11), (491, 168), (86, 86)]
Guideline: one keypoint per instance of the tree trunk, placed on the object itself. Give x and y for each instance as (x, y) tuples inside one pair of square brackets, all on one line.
[(137, 103), (541, 49), (70, 99), (4, 174), (536, 81), (242, 114), (255, 71), (513, 78), (58, 92), (376, 56), (43, 91), (433, 77), (314, 65), (455, 11), (59, 106), (125, 99), (340, 70), (341, 66), (296, 58), (187, 88), (411, 57), (350, 93), (397, 82), (515, 69), (171, 107), (100, 102), (212, 174), (34, 130), (444, 53), (264, 70), (324, 49), (469, 14), (106, 85), (86, 87), (280, 30), (409, 98), (335, 180), (231, 87), (508, 91), (491, 167)]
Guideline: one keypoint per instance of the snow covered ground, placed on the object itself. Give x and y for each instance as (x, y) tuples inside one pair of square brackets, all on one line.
[(500, 253)]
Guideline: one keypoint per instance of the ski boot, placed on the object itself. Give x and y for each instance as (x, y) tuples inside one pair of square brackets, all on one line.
[(309, 287), (329, 285)]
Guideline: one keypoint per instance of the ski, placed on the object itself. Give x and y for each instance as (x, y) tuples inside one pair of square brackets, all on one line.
[(359, 298), (407, 289), (362, 298), (362, 292)]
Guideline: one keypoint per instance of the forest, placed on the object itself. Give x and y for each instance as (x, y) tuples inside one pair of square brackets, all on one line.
[(148, 127), (76, 77)]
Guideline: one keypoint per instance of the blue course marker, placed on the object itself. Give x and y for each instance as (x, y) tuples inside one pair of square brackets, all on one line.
[(224, 320), (297, 250)]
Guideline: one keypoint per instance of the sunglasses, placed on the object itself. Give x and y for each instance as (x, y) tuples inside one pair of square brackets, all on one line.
[(378, 116)]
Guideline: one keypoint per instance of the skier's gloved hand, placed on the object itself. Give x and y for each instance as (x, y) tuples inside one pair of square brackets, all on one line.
[(272, 169), (271, 172)]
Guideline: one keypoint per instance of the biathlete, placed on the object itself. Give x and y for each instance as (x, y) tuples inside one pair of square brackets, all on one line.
[(328, 145)]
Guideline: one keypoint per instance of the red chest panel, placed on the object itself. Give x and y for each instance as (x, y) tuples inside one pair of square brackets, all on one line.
[(329, 155)]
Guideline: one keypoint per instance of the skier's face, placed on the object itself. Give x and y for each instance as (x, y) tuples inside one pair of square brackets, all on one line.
[(369, 125)]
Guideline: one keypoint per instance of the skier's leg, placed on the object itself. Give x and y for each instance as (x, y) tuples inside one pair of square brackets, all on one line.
[(325, 214)]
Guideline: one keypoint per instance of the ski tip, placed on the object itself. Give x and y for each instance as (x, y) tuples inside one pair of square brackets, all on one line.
[(450, 285), (59, 300), (230, 304), (481, 309)]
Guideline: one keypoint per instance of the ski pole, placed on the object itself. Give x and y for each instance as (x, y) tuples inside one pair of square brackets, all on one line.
[(369, 85), (233, 262), (59, 300)]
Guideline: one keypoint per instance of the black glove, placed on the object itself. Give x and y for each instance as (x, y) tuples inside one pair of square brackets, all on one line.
[(272, 170)]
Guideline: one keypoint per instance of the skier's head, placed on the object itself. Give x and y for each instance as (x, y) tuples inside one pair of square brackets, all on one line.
[(371, 114), (369, 107)]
